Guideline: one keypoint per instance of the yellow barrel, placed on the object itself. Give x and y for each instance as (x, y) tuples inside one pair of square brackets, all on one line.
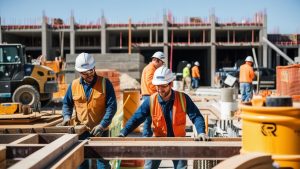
[(272, 130), (131, 105)]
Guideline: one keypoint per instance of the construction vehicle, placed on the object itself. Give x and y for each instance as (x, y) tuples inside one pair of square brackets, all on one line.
[(24, 82)]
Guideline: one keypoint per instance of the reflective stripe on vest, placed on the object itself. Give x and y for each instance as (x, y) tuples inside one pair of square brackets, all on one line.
[(89, 112), (178, 116)]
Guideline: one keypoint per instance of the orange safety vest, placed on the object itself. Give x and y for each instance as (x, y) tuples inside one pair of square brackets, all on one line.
[(246, 74), (89, 112), (195, 72), (178, 120), (147, 87)]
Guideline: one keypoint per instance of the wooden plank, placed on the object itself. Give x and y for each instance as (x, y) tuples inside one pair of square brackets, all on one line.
[(30, 138), (162, 149), (161, 139), (73, 159), (20, 116), (2, 153), (45, 120), (8, 138), (46, 155), (246, 161), (62, 129)]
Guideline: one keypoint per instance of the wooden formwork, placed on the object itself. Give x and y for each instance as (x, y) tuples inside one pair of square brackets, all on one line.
[(49, 150), (41, 151)]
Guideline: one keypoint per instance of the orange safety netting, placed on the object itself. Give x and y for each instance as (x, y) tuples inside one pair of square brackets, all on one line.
[(288, 81)]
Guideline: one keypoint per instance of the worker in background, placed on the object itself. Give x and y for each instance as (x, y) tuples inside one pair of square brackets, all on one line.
[(147, 87), (195, 75), (246, 77), (186, 77), (167, 109), (94, 100)]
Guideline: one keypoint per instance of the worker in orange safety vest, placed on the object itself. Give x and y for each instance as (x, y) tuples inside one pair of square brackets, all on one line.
[(195, 75), (94, 100), (147, 88), (167, 110), (246, 77)]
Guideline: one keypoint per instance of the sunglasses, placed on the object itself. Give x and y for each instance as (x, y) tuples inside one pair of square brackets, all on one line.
[(163, 86), (88, 72)]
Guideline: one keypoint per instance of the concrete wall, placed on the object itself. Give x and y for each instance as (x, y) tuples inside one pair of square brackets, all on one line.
[(131, 64)]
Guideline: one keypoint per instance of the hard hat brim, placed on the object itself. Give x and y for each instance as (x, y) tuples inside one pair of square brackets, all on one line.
[(79, 69), (162, 82)]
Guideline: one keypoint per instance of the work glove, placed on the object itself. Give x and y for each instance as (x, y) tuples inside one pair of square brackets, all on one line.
[(97, 131), (202, 137), (66, 122)]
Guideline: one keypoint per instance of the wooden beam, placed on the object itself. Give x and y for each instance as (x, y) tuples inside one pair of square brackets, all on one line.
[(61, 129), (161, 139), (73, 159), (30, 138), (183, 149), (41, 138), (8, 138), (2, 153), (46, 155)]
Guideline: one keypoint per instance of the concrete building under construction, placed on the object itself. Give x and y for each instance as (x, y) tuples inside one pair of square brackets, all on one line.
[(214, 44)]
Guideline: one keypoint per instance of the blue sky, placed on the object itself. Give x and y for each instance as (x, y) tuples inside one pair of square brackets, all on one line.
[(283, 15)]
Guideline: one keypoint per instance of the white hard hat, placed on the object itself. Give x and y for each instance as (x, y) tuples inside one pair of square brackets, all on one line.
[(189, 65), (197, 63), (84, 62), (159, 55), (249, 59), (162, 76)]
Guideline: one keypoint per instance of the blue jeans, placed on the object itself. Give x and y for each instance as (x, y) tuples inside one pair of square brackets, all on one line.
[(195, 82), (154, 164), (147, 131), (101, 164), (246, 91)]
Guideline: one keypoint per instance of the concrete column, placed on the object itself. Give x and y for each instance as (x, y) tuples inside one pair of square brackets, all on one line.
[(45, 40), (0, 31), (103, 35), (150, 36), (277, 58), (270, 57), (213, 48), (284, 50), (156, 36), (165, 39), (228, 36), (264, 46), (298, 50), (72, 35)]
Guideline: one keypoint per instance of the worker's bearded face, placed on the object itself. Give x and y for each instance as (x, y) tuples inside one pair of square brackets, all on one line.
[(164, 90), (88, 76)]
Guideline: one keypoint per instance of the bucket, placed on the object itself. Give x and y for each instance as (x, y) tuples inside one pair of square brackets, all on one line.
[(272, 130), (228, 103)]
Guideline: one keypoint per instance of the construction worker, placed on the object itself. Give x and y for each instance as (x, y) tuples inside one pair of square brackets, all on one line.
[(246, 77), (186, 77), (94, 100), (195, 75), (147, 87), (167, 109)]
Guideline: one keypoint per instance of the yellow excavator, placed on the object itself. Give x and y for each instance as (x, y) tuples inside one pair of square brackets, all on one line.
[(22, 82)]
